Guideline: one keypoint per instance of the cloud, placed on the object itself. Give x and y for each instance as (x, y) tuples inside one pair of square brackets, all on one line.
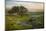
[(31, 6)]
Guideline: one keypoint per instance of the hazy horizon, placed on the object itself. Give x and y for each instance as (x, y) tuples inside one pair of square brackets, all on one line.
[(32, 7)]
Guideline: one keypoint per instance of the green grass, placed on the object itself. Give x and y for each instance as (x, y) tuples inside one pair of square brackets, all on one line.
[(12, 22)]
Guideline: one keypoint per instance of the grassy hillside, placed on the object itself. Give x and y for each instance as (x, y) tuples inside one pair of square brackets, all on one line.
[(29, 21)]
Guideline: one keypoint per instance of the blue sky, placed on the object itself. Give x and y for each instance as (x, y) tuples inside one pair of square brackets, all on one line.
[(13, 1), (29, 5)]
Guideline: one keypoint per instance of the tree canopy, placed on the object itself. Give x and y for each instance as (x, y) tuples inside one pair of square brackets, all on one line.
[(20, 10)]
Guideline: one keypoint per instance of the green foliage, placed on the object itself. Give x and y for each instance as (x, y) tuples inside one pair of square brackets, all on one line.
[(20, 10), (15, 22)]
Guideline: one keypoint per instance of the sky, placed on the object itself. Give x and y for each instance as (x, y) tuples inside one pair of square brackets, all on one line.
[(30, 5)]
